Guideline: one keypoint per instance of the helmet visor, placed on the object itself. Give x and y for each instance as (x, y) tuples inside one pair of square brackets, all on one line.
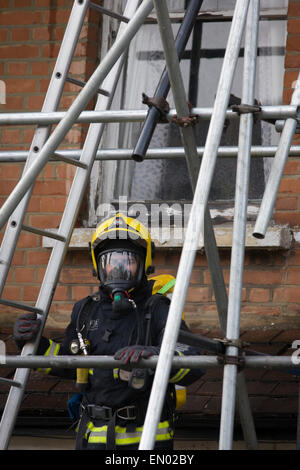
[(119, 266)]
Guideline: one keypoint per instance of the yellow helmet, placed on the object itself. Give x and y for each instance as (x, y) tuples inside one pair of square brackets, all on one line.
[(120, 227)]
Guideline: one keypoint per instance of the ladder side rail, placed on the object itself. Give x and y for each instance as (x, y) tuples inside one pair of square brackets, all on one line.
[(278, 165), (51, 102), (59, 250), (74, 111), (230, 373), (196, 219)]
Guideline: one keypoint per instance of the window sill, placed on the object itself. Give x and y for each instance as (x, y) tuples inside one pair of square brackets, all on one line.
[(278, 237)]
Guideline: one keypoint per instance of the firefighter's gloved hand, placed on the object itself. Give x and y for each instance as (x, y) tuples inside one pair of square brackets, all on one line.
[(26, 329), (136, 352)]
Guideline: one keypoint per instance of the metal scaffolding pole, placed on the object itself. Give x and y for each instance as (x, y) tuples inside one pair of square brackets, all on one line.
[(74, 111), (138, 115), (198, 210), (108, 362), (18, 156), (163, 87), (239, 229), (270, 193)]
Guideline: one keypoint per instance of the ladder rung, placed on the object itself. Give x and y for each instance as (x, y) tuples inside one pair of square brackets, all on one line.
[(71, 161), (82, 84), (44, 233), (12, 383), (19, 305), (107, 12)]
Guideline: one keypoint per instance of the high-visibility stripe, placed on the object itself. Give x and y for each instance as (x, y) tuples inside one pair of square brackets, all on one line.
[(167, 287), (180, 373), (97, 435), (52, 350)]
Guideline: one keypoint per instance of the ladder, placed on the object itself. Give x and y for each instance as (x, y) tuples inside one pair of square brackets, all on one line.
[(44, 146), (41, 150)]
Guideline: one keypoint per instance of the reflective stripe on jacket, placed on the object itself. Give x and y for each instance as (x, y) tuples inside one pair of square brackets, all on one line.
[(97, 435), (52, 350)]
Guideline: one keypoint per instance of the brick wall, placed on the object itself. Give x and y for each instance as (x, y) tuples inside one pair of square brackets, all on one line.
[(30, 33)]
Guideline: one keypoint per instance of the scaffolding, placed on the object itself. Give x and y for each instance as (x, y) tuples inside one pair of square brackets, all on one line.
[(44, 149)]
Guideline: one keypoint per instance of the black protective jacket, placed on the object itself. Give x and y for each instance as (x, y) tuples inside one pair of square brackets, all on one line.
[(107, 332)]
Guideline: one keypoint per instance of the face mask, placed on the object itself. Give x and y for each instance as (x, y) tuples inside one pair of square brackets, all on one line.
[(119, 271)]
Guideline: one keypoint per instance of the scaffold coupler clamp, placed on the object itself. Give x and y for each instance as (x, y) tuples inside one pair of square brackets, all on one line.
[(186, 121), (238, 360), (160, 103), (243, 108)]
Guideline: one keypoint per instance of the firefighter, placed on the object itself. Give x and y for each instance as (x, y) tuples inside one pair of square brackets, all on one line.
[(125, 319)]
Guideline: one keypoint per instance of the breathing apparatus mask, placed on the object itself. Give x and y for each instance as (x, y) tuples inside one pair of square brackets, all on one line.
[(120, 270)]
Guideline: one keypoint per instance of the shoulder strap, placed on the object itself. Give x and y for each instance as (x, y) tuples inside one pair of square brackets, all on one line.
[(84, 314)]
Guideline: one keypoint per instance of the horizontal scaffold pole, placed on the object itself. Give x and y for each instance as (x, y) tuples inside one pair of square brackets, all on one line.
[(18, 156), (137, 115), (108, 362)]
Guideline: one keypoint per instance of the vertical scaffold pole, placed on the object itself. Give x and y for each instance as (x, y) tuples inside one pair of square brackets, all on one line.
[(197, 214), (239, 228)]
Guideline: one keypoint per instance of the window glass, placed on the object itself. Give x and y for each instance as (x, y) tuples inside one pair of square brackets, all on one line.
[(167, 179)]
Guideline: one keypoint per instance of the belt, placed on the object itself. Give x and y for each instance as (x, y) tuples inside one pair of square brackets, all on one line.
[(106, 413)]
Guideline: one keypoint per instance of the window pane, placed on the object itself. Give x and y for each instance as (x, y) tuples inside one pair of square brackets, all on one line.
[(201, 65)]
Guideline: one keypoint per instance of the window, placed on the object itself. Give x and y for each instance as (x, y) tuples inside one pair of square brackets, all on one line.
[(166, 180)]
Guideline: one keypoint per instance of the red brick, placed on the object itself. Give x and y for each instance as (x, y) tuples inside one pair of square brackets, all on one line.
[(37, 258), (9, 136), (30, 293), (79, 292), (39, 68), (286, 294), (260, 310), (292, 61), (27, 240), (10, 171), (12, 292), (259, 295), (293, 9), (76, 276), (19, 51), (17, 68), (21, 85), (289, 185), (26, 18), (45, 221), (293, 275), (35, 102), (42, 34), (198, 294), (61, 293), (293, 26), (293, 43), (20, 34), (287, 203), (24, 275), (50, 188), (290, 218)]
